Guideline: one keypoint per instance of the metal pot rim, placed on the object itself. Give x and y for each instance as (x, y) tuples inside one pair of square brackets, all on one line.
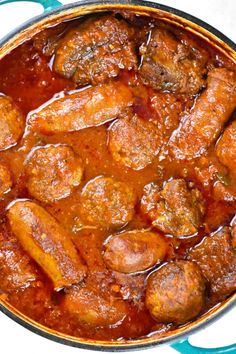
[(145, 343)]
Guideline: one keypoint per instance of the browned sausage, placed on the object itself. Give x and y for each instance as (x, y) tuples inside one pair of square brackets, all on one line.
[(91, 107), (46, 242), (134, 251), (201, 127), (226, 148)]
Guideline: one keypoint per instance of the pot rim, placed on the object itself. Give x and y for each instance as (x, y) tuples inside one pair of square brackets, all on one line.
[(147, 342)]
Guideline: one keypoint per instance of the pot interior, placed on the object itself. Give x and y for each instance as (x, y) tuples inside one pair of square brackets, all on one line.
[(146, 9)]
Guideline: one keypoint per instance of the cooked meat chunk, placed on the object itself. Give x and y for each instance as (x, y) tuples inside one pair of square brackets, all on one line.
[(91, 107), (201, 127), (171, 64), (46, 242), (134, 142), (226, 148), (11, 122), (215, 179), (177, 209), (106, 203), (217, 259), (134, 251), (176, 292), (96, 50), (52, 172), (233, 233), (94, 308), (5, 179), (47, 41), (16, 270)]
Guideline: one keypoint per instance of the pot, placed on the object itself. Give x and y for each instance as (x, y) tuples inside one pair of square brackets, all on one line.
[(54, 13)]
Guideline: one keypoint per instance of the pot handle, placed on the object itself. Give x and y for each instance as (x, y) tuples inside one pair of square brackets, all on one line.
[(185, 347), (47, 4)]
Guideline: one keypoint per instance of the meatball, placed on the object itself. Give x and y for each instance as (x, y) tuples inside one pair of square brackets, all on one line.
[(96, 50), (226, 148), (202, 126), (52, 172), (177, 209), (134, 251), (11, 122), (106, 203), (134, 142), (5, 179), (46, 242), (16, 270), (83, 109), (93, 308), (171, 64), (176, 292), (217, 259)]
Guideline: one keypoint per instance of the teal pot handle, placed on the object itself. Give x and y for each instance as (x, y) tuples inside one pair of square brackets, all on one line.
[(185, 347), (47, 4)]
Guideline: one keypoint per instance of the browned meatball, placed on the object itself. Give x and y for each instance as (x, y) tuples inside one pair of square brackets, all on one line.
[(203, 124), (177, 209), (134, 251), (52, 172), (5, 179), (107, 203), (171, 64), (96, 50), (83, 109), (134, 142), (94, 308), (217, 259), (226, 148), (11, 123), (176, 292)]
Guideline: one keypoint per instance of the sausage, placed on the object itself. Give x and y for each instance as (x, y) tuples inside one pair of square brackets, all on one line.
[(177, 209), (16, 270), (171, 64), (216, 257), (134, 251), (134, 142), (106, 203), (176, 292), (83, 109), (52, 171), (96, 50), (46, 242), (93, 308), (226, 148), (11, 122), (202, 126), (5, 179)]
